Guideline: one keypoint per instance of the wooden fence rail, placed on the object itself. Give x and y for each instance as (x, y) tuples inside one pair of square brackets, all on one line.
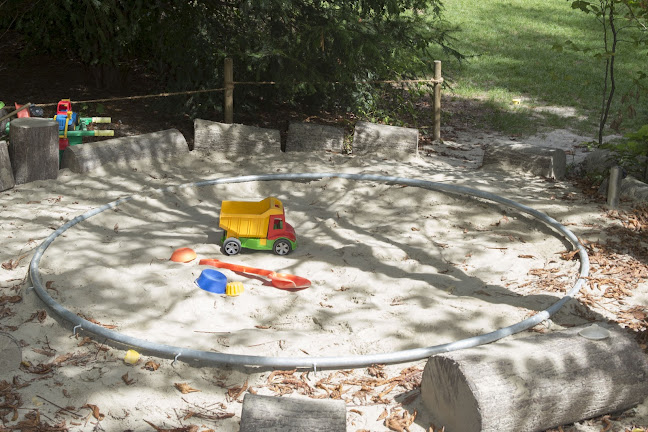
[(437, 82), (229, 83)]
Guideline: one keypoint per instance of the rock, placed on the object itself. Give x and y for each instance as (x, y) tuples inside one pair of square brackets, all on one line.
[(599, 162), (524, 158)]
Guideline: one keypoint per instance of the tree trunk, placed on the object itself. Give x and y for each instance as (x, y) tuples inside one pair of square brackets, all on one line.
[(33, 149), (534, 383)]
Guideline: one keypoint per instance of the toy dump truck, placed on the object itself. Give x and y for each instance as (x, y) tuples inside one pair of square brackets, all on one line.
[(256, 225)]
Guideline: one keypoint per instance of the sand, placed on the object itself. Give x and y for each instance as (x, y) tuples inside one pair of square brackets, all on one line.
[(392, 268)]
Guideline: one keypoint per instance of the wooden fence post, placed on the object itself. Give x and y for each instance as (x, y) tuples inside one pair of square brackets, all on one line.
[(229, 90), (437, 100)]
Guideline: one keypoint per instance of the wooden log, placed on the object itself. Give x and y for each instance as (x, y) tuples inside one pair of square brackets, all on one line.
[(151, 147), (6, 173), (314, 137), (525, 158), (284, 414), (534, 383), (33, 149)]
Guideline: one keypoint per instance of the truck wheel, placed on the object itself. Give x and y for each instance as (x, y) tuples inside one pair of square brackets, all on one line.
[(231, 246), (282, 247)]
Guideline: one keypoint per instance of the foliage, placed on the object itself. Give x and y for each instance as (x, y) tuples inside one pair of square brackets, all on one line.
[(632, 153), (508, 48), (315, 50), (616, 17)]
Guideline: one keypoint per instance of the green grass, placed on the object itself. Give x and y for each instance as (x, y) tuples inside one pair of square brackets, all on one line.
[(509, 45)]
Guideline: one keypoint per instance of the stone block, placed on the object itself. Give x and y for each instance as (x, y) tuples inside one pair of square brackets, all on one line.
[(6, 173), (151, 147), (235, 138), (391, 141), (527, 159), (599, 162), (314, 137)]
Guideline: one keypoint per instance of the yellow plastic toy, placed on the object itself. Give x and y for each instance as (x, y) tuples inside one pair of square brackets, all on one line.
[(257, 225), (234, 289)]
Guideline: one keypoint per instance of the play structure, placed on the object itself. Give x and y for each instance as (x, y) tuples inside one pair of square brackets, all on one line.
[(256, 225), (72, 127)]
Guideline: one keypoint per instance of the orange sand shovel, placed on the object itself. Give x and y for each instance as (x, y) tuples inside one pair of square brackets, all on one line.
[(282, 281)]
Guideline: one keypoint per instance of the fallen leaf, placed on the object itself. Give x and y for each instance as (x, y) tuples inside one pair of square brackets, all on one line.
[(116, 228), (48, 353), (10, 299), (127, 380), (95, 411), (190, 428), (383, 415), (151, 365), (235, 392), (285, 373), (185, 388)]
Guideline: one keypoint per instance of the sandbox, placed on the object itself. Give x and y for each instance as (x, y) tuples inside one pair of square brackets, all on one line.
[(401, 269)]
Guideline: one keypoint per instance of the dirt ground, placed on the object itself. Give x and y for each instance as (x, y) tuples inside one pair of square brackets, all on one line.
[(66, 382)]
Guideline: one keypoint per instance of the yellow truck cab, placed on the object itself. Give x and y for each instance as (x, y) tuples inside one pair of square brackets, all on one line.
[(256, 225)]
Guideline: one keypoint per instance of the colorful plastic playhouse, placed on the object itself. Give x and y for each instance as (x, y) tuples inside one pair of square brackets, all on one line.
[(73, 128), (256, 225)]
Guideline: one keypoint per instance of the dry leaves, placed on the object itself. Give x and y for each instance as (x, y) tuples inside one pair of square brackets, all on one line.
[(190, 428), (210, 412), (185, 388), (234, 393), (9, 299), (127, 381), (10, 401), (151, 365), (12, 264), (95, 411), (40, 315), (400, 423), (94, 321)]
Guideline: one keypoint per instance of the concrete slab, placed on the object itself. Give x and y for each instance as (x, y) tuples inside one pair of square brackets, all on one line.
[(527, 159), (152, 147), (377, 139), (314, 137), (234, 138)]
